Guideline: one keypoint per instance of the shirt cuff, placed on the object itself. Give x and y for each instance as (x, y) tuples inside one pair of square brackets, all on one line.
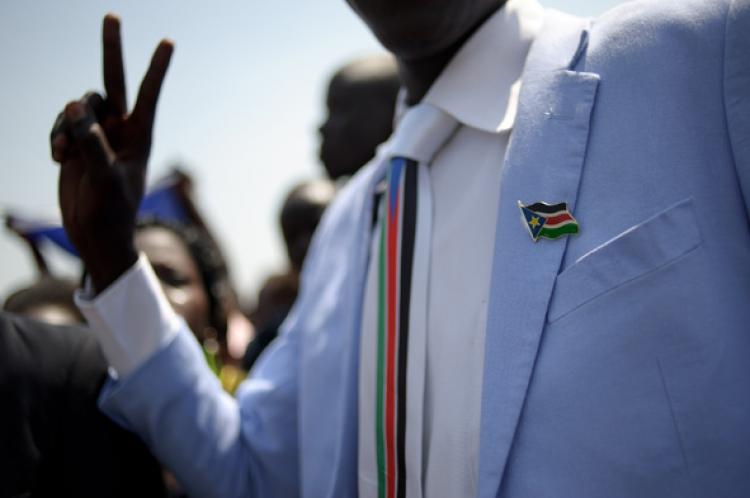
[(131, 318)]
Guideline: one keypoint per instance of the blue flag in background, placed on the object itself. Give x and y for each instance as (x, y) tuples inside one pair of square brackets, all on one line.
[(161, 202), (37, 231)]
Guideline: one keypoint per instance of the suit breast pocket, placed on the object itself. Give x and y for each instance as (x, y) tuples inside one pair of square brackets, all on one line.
[(637, 251)]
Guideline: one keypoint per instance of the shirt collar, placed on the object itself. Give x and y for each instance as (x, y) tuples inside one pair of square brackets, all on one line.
[(479, 86)]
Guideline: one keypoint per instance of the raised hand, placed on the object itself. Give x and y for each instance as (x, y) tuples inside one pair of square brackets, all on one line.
[(103, 151)]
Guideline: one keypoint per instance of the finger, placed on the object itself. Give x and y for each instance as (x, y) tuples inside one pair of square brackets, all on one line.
[(59, 126), (69, 180), (96, 103), (148, 94), (114, 72), (62, 144), (61, 141), (57, 137), (60, 147), (93, 100), (90, 139)]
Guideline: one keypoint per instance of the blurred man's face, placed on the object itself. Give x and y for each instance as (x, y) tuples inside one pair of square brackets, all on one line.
[(359, 119), (301, 214), (412, 29)]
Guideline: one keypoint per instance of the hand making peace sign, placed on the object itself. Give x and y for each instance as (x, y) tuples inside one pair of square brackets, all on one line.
[(103, 151)]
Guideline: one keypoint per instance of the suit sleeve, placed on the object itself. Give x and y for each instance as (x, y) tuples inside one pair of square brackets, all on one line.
[(737, 90), (214, 444)]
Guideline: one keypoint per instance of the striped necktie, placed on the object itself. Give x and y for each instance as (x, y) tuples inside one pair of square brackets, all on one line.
[(397, 355)]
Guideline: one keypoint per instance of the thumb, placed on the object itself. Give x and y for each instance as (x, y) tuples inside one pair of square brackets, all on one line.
[(90, 139)]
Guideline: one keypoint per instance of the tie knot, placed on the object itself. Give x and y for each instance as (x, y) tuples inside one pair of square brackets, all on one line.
[(421, 132)]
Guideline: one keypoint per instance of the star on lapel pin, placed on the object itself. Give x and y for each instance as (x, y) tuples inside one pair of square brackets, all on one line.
[(548, 220)]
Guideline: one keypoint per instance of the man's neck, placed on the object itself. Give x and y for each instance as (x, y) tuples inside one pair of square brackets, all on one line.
[(418, 75)]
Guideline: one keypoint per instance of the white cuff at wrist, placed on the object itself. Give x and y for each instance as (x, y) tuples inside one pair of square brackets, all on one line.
[(131, 318)]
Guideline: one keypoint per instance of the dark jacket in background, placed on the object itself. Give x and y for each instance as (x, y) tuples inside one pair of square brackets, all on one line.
[(53, 439)]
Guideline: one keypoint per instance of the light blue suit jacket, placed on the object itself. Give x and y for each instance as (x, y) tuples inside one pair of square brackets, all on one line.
[(617, 361)]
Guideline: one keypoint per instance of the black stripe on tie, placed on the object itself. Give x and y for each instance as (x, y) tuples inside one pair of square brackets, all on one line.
[(408, 229), (540, 207)]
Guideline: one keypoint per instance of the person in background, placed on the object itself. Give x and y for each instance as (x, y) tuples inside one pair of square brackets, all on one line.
[(361, 100), (54, 441), (190, 272), (48, 300), (239, 329), (172, 198), (300, 214), (275, 299)]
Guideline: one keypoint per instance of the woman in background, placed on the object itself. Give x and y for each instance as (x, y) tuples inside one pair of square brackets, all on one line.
[(191, 273)]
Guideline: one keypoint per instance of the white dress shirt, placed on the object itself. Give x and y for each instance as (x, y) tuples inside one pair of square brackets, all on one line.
[(465, 176)]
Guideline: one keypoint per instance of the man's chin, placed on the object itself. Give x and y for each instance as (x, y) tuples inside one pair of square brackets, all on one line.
[(333, 168), (416, 46)]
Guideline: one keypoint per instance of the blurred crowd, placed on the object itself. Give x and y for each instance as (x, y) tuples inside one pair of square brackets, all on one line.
[(188, 259)]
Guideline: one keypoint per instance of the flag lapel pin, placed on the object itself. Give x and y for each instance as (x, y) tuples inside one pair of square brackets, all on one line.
[(548, 220)]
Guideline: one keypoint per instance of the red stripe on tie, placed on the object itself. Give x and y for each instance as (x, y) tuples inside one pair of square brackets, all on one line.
[(554, 220), (390, 395)]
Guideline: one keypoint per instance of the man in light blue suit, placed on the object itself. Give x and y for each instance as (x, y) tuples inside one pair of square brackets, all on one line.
[(615, 361)]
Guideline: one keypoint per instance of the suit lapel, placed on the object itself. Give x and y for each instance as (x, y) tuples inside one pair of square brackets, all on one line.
[(331, 307), (543, 163)]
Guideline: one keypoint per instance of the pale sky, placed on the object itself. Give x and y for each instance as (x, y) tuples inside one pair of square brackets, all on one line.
[(240, 105)]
